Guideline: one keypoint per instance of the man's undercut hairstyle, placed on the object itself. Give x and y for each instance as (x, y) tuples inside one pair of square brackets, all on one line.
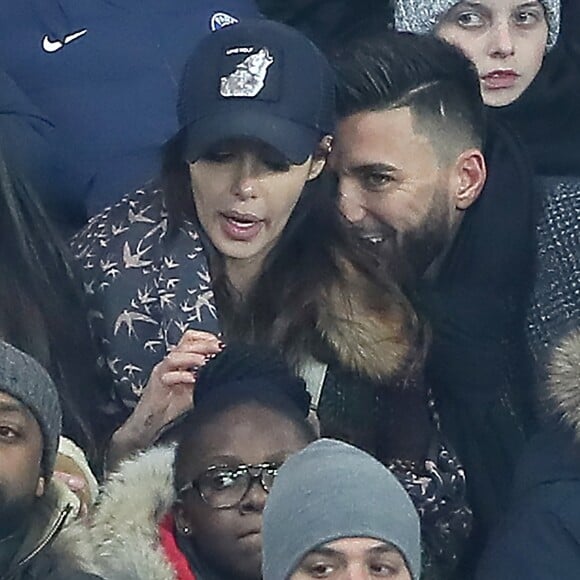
[(240, 376), (393, 70)]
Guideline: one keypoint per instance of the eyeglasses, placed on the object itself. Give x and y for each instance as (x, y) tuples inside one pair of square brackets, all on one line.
[(225, 487)]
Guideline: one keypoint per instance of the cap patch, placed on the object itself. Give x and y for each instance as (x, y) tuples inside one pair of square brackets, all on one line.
[(220, 20), (249, 77)]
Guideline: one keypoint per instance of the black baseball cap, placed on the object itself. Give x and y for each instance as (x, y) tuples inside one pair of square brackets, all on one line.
[(259, 80)]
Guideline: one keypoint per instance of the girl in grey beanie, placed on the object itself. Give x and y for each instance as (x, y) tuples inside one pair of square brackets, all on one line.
[(506, 39), (332, 491)]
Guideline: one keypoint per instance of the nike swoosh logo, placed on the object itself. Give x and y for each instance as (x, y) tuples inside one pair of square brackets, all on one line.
[(55, 45)]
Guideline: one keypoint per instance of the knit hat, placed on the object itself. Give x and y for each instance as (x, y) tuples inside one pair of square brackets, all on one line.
[(421, 16), (24, 379), (329, 491)]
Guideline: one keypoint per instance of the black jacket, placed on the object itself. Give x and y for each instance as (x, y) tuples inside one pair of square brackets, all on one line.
[(540, 535), (478, 364)]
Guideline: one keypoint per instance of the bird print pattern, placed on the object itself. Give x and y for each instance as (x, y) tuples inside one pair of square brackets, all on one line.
[(145, 287)]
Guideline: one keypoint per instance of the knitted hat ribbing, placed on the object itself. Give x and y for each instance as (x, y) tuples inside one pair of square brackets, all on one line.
[(329, 491), (24, 379), (421, 16)]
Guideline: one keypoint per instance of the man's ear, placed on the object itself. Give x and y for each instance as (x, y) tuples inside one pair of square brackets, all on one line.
[(470, 174), (320, 157), (40, 487)]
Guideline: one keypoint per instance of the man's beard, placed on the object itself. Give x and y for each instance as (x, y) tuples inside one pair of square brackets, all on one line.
[(413, 254), (422, 250), (14, 513)]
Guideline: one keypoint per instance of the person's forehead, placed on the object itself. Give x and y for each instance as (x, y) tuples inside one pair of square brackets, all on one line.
[(245, 434), (498, 5), (358, 544)]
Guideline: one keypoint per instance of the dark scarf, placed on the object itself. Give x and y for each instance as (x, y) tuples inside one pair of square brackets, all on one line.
[(547, 116), (477, 363)]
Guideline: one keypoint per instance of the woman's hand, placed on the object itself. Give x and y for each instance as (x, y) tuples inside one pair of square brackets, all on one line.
[(168, 394)]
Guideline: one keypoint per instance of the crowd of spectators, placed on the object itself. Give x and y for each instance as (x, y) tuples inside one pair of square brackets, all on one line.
[(290, 290)]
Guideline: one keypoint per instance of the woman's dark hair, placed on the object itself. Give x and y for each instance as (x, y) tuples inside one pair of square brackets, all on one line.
[(284, 305), (243, 375), (42, 310)]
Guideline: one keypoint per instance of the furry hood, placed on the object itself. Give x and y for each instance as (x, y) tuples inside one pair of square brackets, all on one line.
[(373, 331), (124, 532), (563, 390)]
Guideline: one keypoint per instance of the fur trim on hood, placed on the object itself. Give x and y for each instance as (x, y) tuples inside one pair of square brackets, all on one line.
[(124, 534), (373, 331), (564, 382)]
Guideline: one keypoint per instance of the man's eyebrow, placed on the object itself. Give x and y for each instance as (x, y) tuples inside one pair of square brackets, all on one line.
[(322, 551), (384, 549), (374, 168), (532, 4)]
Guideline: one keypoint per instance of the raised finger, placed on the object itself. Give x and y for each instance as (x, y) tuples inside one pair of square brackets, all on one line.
[(175, 378), (201, 335), (178, 360)]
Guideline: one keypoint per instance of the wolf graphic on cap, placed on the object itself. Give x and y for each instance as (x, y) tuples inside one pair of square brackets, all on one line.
[(249, 77)]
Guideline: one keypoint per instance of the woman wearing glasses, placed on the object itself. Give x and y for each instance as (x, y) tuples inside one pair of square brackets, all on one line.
[(250, 414)]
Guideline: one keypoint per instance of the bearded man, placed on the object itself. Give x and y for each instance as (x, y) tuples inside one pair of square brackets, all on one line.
[(34, 508), (424, 176)]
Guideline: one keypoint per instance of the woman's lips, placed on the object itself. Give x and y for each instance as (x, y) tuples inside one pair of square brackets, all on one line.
[(240, 227), (500, 79)]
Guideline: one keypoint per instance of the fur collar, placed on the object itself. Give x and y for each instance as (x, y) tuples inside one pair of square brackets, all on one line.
[(124, 531), (372, 331), (564, 382)]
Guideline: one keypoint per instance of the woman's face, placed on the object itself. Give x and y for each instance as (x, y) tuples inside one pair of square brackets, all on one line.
[(230, 540), (244, 194), (506, 39)]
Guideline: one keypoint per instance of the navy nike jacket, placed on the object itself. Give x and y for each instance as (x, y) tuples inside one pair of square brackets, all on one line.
[(106, 73), (25, 137)]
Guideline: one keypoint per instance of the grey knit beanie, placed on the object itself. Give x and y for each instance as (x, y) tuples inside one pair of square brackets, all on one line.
[(329, 491), (421, 16), (24, 379)]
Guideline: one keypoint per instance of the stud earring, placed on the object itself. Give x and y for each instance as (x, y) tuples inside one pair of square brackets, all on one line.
[(186, 531)]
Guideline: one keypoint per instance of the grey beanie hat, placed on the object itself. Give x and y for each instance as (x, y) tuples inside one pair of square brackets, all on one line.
[(421, 16), (24, 379), (329, 491)]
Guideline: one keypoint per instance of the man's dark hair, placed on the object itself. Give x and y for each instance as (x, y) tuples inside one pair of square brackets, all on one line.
[(244, 375), (393, 70)]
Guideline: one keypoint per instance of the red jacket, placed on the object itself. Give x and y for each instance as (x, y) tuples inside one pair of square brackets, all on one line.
[(172, 551)]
